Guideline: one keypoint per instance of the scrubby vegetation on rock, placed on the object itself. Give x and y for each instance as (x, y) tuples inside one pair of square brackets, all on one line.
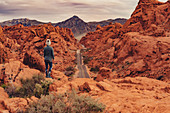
[(65, 103), (36, 86)]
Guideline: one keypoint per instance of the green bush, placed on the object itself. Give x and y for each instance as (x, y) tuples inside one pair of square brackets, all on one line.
[(30, 87), (3, 86), (65, 103)]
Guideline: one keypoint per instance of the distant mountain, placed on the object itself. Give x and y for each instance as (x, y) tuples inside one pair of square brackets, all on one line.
[(77, 25), (106, 22), (23, 21)]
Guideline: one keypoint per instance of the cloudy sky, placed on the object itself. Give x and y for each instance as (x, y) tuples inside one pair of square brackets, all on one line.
[(59, 10)]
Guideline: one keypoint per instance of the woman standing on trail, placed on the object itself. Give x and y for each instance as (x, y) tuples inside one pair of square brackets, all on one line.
[(48, 56)]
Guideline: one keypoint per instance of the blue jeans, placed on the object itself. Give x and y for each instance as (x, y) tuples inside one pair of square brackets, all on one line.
[(46, 68)]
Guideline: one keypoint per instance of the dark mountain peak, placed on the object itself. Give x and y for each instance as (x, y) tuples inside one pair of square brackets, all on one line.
[(75, 16), (71, 22)]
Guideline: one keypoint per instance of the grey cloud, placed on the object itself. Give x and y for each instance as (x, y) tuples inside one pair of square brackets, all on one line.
[(63, 9)]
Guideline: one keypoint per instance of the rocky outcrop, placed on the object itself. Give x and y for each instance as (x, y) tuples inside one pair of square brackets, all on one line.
[(15, 105), (30, 42), (147, 14), (1, 30), (14, 71), (143, 55), (124, 95), (34, 60), (3, 54), (85, 87), (3, 97), (102, 39), (104, 73), (138, 48), (127, 93)]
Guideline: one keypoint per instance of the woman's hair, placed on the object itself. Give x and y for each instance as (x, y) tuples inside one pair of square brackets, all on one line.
[(48, 42)]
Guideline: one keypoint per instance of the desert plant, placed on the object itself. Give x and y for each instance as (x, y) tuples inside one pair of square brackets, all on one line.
[(30, 87), (11, 90), (65, 103), (4, 86)]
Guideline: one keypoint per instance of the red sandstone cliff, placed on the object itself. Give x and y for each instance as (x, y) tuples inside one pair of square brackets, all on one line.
[(150, 16), (140, 47), (22, 47), (27, 44)]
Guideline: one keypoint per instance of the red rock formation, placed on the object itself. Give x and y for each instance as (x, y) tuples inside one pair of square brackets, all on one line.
[(139, 48), (138, 94), (14, 71), (102, 39), (104, 73), (3, 97), (34, 60), (85, 87), (146, 55), (1, 31), (15, 105), (22, 39), (147, 14)]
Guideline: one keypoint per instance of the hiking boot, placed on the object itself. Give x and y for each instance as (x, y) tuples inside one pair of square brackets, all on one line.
[(49, 75)]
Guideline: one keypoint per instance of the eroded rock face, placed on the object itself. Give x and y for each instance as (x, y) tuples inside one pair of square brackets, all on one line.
[(3, 97), (104, 73), (85, 87), (102, 39), (15, 105), (138, 48), (147, 14), (124, 95), (1, 30), (143, 55), (14, 71), (34, 60), (20, 40)]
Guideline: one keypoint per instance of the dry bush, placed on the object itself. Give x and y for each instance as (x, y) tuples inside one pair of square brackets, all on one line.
[(65, 103)]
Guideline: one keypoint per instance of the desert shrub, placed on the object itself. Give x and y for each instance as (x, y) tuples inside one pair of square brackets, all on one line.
[(30, 87), (11, 90), (96, 69), (65, 103), (3, 86)]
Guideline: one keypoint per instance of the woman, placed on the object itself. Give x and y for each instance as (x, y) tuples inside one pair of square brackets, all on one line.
[(48, 56)]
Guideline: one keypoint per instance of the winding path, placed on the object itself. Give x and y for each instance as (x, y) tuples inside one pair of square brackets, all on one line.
[(82, 68)]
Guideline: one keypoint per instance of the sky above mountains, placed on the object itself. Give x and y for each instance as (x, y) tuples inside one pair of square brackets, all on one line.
[(59, 10)]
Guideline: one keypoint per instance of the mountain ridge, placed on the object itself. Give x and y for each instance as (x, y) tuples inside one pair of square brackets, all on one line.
[(76, 24)]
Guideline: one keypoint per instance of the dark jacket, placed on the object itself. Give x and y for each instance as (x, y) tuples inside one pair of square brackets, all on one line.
[(48, 53)]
